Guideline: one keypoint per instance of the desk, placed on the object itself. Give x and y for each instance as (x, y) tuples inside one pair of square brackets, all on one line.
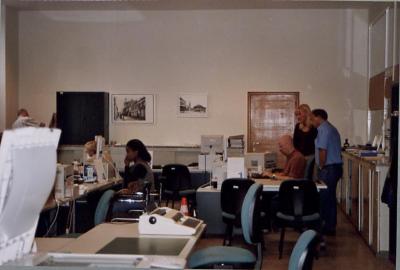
[(88, 188), (52, 244), (209, 210), (97, 238), (359, 195), (271, 185), (198, 177), (81, 204), (88, 249)]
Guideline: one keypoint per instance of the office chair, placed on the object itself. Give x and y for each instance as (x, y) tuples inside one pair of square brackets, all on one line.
[(175, 183), (103, 206), (233, 191), (101, 214), (234, 257), (129, 207), (304, 251), (309, 171), (298, 207)]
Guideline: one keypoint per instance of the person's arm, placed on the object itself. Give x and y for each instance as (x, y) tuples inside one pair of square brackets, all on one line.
[(321, 144), (322, 157), (134, 174)]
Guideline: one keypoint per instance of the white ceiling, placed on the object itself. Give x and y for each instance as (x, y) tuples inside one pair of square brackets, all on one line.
[(181, 4)]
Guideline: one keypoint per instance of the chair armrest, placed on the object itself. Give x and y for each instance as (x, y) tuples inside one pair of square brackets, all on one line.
[(136, 210)]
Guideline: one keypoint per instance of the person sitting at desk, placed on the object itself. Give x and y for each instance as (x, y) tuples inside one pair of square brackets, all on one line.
[(137, 168), (295, 163), (91, 150), (24, 120)]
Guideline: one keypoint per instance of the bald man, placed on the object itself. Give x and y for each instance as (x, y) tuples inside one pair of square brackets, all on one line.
[(295, 161)]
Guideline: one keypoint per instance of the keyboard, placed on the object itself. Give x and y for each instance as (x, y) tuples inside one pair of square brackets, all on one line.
[(160, 212), (190, 222)]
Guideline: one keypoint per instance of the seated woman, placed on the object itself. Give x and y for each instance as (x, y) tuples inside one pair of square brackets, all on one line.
[(137, 168)]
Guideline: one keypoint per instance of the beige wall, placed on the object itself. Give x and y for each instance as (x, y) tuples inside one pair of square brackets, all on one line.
[(11, 65), (226, 53)]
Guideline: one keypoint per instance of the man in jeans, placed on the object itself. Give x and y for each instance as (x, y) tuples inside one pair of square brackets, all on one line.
[(330, 166)]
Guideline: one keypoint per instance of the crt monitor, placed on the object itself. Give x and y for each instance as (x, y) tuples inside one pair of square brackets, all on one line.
[(212, 143)]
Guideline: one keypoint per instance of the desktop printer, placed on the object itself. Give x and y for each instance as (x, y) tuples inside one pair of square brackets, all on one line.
[(164, 220), (256, 161)]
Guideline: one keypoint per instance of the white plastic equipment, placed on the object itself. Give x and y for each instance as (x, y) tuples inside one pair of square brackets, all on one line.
[(27, 171), (167, 221)]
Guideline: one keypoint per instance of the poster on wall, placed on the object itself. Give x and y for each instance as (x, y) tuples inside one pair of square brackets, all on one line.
[(133, 108), (192, 105)]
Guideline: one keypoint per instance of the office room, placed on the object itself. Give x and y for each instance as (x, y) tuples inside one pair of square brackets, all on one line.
[(183, 134)]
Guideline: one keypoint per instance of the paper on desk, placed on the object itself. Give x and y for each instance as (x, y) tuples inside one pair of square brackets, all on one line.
[(236, 168)]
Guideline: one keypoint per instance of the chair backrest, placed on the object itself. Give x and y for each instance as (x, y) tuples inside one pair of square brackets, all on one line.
[(233, 191), (298, 198), (309, 171), (103, 206), (251, 209), (303, 253), (177, 177)]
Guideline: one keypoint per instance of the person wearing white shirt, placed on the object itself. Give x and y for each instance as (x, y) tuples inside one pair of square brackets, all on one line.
[(24, 120)]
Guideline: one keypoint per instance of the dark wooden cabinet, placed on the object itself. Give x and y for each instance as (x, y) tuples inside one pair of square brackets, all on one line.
[(82, 115)]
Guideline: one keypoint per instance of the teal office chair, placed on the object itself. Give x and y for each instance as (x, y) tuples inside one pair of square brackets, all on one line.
[(101, 213), (234, 257), (103, 206), (304, 251)]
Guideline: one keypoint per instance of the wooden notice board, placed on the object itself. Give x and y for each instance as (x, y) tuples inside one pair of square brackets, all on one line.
[(270, 115)]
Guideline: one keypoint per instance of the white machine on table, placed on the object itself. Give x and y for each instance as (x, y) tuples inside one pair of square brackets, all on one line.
[(168, 221), (260, 161), (26, 155), (64, 173)]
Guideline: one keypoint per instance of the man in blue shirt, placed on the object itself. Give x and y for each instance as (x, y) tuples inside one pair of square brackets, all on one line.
[(328, 158)]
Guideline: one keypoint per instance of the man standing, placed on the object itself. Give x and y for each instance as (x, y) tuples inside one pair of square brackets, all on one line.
[(330, 166)]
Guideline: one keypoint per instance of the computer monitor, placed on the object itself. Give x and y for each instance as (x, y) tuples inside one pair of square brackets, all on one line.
[(212, 144)]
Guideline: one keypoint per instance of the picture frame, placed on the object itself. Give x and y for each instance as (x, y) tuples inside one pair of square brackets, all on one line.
[(133, 108), (192, 105)]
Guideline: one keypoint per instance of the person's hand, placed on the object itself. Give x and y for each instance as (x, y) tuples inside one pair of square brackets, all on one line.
[(127, 162), (124, 191), (267, 173)]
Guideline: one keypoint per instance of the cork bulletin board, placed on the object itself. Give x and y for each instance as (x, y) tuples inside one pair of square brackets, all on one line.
[(270, 115)]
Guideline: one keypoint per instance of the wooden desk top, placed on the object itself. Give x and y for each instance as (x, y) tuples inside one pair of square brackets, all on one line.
[(274, 184), (95, 239), (268, 185), (51, 244)]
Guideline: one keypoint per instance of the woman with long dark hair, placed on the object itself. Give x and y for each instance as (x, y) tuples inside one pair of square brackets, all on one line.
[(137, 167)]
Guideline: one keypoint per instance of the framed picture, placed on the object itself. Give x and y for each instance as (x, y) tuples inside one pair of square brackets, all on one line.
[(192, 105), (133, 108)]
